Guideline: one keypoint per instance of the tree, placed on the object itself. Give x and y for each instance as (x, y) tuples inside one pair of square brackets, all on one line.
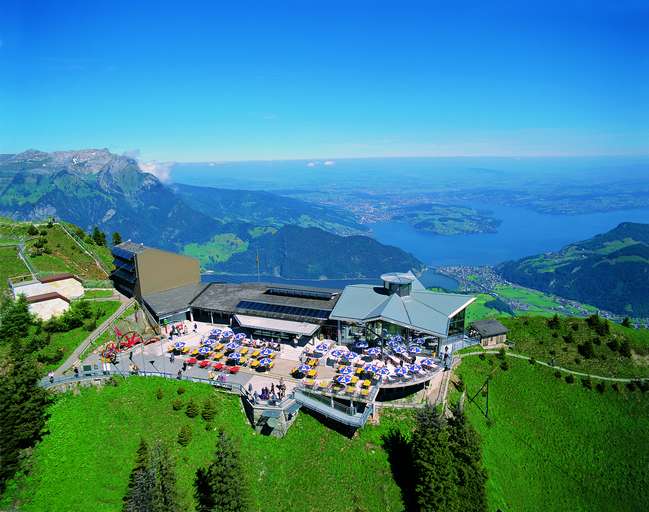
[(164, 495), (98, 237), (185, 435), (159, 394), (209, 410), (117, 238), (140, 483), (554, 322), (221, 486), (586, 349), (626, 322), (435, 474), (625, 348), (192, 408), (32, 230), (23, 406), (471, 476), (16, 320)]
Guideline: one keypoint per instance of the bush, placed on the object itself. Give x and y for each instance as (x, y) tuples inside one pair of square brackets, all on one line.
[(482, 357), (531, 360), (615, 387), (504, 366), (569, 379), (630, 386), (600, 387), (597, 340), (90, 325), (626, 322), (32, 230), (557, 374), (586, 349), (459, 384), (614, 345), (180, 390), (50, 355), (43, 232), (555, 334), (185, 435), (177, 404), (209, 410), (192, 409), (642, 385), (587, 383), (575, 326), (554, 322), (112, 381), (159, 394), (501, 353), (625, 349), (577, 360)]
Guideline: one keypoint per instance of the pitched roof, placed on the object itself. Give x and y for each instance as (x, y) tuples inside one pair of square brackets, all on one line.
[(174, 300), (422, 310), (488, 328)]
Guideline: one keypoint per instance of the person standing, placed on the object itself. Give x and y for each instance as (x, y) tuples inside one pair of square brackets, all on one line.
[(51, 376)]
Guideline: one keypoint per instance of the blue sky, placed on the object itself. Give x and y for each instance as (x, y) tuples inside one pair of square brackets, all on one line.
[(198, 81)]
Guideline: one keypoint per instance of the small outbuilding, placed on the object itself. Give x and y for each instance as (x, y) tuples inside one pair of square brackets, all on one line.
[(490, 332)]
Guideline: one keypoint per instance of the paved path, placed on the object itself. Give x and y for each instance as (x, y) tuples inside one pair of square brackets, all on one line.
[(560, 368)]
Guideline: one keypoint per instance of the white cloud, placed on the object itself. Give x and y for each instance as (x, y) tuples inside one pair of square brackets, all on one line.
[(329, 162), (312, 164), (161, 170)]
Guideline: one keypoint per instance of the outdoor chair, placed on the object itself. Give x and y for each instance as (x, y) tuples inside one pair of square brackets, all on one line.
[(271, 365), (354, 379), (323, 385), (309, 382), (312, 373), (359, 371), (244, 351), (272, 356), (170, 348), (243, 361), (365, 392), (351, 390), (218, 356), (219, 346), (366, 383), (255, 353), (254, 364), (195, 352), (185, 350)]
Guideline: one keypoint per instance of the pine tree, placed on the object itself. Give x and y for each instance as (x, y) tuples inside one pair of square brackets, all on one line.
[(185, 435), (435, 475), (625, 348), (140, 482), (192, 408), (16, 320), (159, 394), (117, 238), (471, 476), (209, 410), (164, 496), (221, 486), (626, 322), (23, 411)]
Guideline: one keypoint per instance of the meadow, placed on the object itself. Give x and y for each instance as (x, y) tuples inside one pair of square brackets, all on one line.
[(85, 460), (550, 445), (10, 266)]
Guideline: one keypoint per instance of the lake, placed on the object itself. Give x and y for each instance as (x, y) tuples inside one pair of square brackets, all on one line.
[(522, 233)]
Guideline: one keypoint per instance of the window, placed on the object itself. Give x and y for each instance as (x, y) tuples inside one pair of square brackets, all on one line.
[(456, 324), (320, 314), (304, 294)]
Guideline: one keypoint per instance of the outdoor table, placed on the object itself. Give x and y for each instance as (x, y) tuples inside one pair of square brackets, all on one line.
[(383, 371), (337, 353), (215, 332), (240, 336), (218, 355), (204, 351), (234, 355), (361, 344), (399, 349), (312, 373), (255, 353), (204, 364), (179, 345), (234, 369), (350, 355), (218, 366), (344, 379), (419, 341), (398, 338), (192, 360), (370, 368)]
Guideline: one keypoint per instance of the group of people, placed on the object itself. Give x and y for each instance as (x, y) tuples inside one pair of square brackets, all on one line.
[(273, 393)]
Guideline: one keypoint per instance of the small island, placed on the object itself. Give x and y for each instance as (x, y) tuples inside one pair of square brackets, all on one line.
[(447, 220)]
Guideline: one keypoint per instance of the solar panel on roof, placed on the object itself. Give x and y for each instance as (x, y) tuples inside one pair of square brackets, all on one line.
[(304, 294), (286, 310)]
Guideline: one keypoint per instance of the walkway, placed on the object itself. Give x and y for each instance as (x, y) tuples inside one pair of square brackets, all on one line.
[(560, 368)]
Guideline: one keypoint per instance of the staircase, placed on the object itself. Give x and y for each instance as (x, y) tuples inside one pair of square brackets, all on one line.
[(340, 413)]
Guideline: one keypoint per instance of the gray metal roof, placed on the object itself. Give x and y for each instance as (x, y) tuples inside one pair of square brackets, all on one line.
[(174, 300), (488, 328), (132, 247), (422, 310)]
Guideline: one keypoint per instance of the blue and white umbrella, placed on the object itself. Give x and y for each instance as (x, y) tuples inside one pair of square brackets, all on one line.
[(414, 349), (337, 353), (374, 351), (322, 348), (208, 342), (371, 368), (400, 371), (266, 352), (235, 355), (399, 349), (344, 379), (215, 332), (179, 345), (419, 341), (361, 344), (427, 362), (303, 368), (350, 355), (265, 361), (397, 338), (239, 337), (204, 350), (383, 371), (233, 345), (347, 370), (414, 368)]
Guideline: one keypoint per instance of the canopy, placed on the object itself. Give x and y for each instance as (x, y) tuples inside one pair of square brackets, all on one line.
[(275, 325)]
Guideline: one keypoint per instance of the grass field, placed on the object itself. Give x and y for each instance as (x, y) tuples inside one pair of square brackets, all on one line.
[(66, 256), (68, 341), (531, 302), (84, 463), (534, 338), (480, 309), (10, 266), (219, 249), (551, 445), (97, 294)]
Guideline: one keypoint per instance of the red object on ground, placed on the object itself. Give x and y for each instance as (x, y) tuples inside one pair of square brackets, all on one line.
[(203, 364), (234, 369), (218, 366), (192, 360)]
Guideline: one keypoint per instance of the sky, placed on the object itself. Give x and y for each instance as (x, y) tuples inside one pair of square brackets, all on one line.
[(218, 81)]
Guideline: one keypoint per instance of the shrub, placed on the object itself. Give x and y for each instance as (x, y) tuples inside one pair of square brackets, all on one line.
[(90, 325), (501, 353), (614, 345), (43, 232), (643, 385), (586, 349), (587, 383), (112, 381), (555, 334), (159, 394), (177, 404), (552, 352), (192, 409), (630, 386), (597, 340), (554, 322), (482, 357), (626, 322), (504, 366), (531, 360), (616, 387), (185, 435), (600, 387), (575, 327), (577, 360), (180, 390), (569, 379), (625, 349), (32, 230), (50, 355), (557, 374), (209, 410)]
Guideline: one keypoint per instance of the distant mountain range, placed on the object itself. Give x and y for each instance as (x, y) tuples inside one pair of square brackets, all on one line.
[(226, 229), (610, 270)]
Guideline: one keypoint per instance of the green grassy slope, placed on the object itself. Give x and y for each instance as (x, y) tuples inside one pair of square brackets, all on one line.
[(10, 266), (558, 446), (84, 463)]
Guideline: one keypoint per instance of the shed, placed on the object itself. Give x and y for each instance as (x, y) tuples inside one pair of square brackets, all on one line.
[(491, 332)]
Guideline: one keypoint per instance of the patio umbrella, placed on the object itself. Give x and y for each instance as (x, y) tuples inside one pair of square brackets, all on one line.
[(303, 368), (384, 371), (371, 368), (414, 349), (235, 355), (337, 353), (399, 349), (346, 370), (374, 351), (179, 345), (350, 355), (419, 341), (239, 337), (400, 371), (361, 344), (427, 362), (265, 361), (397, 338), (414, 368), (204, 350), (215, 332), (232, 345), (322, 348), (266, 352), (344, 379)]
